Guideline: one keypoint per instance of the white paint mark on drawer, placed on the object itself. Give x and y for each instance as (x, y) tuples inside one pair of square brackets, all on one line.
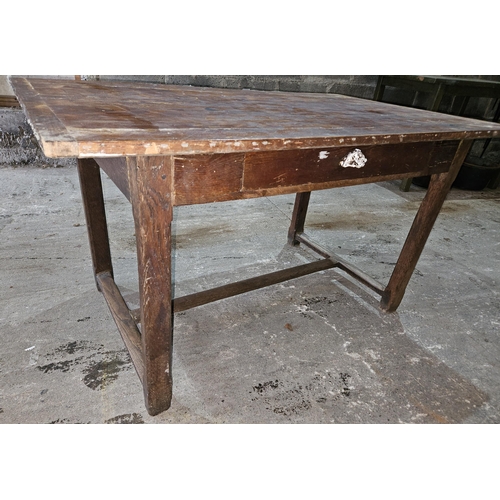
[(355, 159)]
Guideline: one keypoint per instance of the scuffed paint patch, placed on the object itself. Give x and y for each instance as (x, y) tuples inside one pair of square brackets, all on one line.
[(323, 155), (355, 159)]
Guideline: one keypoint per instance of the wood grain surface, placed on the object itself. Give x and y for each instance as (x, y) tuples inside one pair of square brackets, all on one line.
[(150, 187), (95, 119)]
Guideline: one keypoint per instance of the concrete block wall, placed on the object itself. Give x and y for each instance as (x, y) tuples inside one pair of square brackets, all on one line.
[(357, 86)]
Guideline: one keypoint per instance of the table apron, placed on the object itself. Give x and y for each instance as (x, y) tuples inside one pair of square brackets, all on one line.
[(222, 177), (218, 177)]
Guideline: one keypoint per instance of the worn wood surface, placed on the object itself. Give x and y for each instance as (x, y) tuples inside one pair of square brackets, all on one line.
[(222, 177), (92, 119), (150, 193), (298, 216), (95, 215), (419, 232), (116, 169), (208, 178), (239, 287), (9, 101), (294, 168), (347, 267), (219, 177), (124, 321)]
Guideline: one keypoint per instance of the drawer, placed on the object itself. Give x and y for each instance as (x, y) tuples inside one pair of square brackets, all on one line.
[(272, 169), (221, 177)]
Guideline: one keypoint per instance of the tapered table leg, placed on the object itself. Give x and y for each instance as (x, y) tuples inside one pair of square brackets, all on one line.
[(95, 215), (150, 193), (298, 217), (437, 191)]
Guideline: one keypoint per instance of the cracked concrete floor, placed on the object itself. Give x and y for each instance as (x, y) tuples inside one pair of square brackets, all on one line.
[(313, 350)]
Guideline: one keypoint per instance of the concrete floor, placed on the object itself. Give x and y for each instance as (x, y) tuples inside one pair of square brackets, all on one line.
[(313, 350)]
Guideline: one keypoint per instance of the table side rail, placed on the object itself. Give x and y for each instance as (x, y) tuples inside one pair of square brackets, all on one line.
[(222, 177), (116, 169)]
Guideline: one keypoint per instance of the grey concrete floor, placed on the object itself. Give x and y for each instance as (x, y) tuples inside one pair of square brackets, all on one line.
[(313, 350)]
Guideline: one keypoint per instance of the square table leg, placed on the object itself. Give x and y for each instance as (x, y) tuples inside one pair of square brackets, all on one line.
[(298, 217), (150, 184)]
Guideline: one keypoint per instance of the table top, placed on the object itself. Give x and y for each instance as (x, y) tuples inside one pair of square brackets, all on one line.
[(99, 119)]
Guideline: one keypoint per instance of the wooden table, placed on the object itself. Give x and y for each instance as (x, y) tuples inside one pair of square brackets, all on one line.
[(165, 146), (437, 87)]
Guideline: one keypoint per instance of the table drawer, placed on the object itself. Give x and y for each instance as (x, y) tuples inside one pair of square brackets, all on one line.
[(272, 169), (221, 177)]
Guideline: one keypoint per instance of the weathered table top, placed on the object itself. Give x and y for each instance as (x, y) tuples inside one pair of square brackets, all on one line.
[(98, 119)]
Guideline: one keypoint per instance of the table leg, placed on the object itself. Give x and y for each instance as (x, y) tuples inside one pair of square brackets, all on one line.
[(437, 191), (95, 215), (298, 217), (406, 184), (150, 182)]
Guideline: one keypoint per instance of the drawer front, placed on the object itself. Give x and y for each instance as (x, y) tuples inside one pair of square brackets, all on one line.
[(269, 170), (221, 177)]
